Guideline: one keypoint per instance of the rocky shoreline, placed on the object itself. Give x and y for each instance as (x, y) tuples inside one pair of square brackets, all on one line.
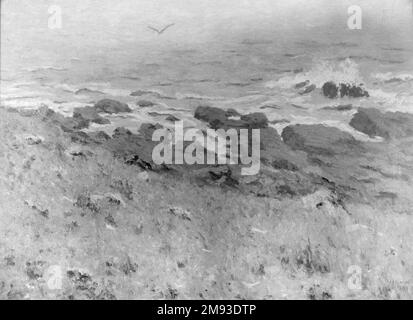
[(302, 153), (97, 213)]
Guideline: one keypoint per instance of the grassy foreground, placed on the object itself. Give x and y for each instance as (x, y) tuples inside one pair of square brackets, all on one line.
[(77, 223)]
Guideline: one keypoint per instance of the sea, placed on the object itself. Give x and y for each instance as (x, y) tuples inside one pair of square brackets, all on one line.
[(229, 54)]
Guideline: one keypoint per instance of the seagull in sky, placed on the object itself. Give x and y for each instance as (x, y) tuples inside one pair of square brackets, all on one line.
[(160, 31)]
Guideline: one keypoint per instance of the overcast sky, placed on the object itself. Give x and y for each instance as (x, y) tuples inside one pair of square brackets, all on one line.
[(199, 19)]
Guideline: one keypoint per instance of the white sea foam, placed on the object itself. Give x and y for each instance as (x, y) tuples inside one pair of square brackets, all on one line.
[(394, 101), (391, 76), (183, 96), (26, 102), (45, 68), (346, 71)]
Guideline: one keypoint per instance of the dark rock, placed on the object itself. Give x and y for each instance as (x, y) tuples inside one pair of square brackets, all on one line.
[(387, 125), (145, 103), (172, 118), (139, 93), (219, 119), (210, 114), (319, 139), (275, 153), (232, 113), (344, 107), (302, 84), (347, 90), (308, 89), (255, 120), (135, 148), (89, 114), (332, 90), (146, 130), (76, 124), (112, 106)]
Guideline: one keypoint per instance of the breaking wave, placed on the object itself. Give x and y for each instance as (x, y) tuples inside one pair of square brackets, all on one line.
[(346, 71)]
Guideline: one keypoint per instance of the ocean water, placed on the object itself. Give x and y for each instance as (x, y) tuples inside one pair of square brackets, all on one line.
[(240, 60)]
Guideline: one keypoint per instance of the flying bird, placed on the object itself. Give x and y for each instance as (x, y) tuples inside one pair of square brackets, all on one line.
[(160, 31)]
